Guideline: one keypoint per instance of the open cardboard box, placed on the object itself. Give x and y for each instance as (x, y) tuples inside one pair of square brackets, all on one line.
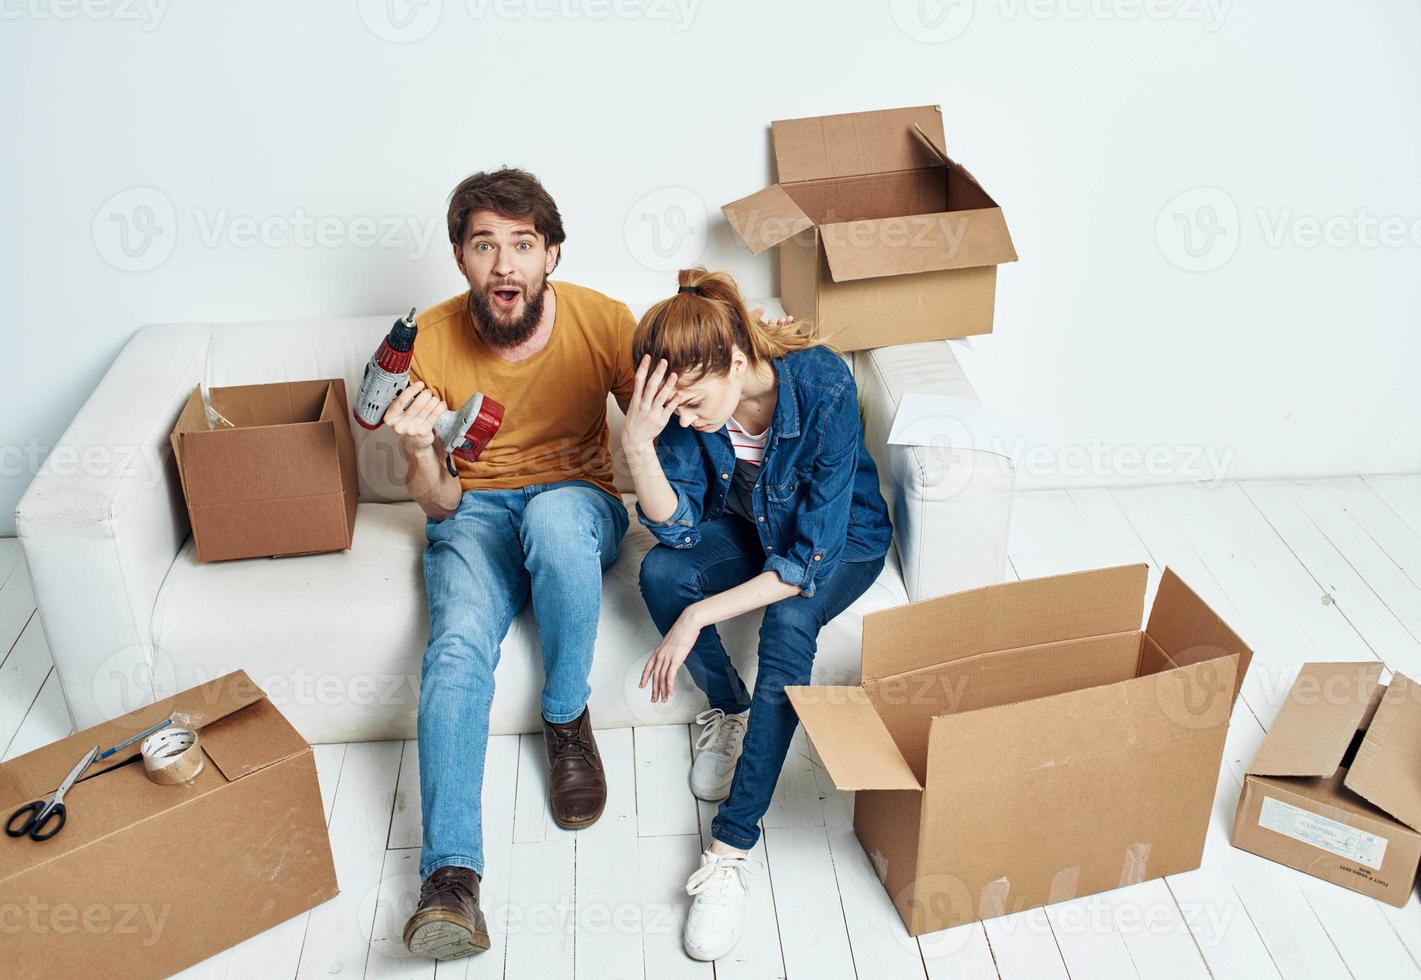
[(282, 482), (883, 238), (1027, 743), (146, 879), (1335, 789)]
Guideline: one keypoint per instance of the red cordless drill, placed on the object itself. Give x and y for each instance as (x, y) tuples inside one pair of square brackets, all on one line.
[(464, 433)]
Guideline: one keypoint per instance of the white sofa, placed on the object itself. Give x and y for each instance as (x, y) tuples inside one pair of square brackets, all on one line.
[(336, 639)]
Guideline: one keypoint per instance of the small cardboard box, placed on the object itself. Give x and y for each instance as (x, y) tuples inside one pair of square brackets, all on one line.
[(1027, 743), (1335, 789), (146, 879), (282, 482), (883, 238)]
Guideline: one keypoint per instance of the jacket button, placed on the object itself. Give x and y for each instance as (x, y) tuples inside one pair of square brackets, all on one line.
[(770, 548), (762, 520), (817, 557), (687, 540), (725, 476)]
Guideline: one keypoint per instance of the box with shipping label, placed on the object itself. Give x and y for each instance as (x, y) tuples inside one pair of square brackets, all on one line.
[(145, 879), (1028, 743), (1335, 789), (883, 239), (280, 480)]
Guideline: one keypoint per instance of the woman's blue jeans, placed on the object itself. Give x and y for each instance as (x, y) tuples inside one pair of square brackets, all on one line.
[(728, 554), (550, 542)]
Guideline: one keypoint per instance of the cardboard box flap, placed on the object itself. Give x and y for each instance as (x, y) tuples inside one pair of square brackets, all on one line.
[(1317, 721), (280, 403), (256, 463), (1387, 770), (191, 419), (1066, 734), (10, 791), (337, 412), (1189, 631), (253, 738), (855, 143), (917, 243), (935, 147), (98, 808), (766, 218), (856, 748), (38, 772), (1003, 617)]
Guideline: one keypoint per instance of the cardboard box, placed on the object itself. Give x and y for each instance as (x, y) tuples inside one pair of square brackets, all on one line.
[(283, 482), (146, 879), (883, 238), (1335, 789), (1027, 743)]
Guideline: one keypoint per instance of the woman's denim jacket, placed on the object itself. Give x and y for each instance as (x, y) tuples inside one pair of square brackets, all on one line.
[(816, 500)]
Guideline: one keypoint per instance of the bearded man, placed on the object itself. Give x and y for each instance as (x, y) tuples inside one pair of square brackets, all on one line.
[(537, 517)]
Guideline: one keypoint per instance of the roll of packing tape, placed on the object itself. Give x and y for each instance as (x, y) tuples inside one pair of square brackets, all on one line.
[(172, 756)]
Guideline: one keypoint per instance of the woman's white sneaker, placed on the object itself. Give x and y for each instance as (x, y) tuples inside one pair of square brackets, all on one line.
[(717, 752), (721, 890)]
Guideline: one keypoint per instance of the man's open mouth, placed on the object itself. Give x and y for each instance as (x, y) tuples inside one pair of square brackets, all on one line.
[(506, 297)]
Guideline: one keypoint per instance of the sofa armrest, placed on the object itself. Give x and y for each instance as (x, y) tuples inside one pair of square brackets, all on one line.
[(103, 519), (950, 503)]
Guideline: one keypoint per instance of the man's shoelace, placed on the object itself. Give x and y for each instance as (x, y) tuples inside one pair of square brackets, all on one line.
[(709, 882), (568, 745), (446, 885), (721, 731)]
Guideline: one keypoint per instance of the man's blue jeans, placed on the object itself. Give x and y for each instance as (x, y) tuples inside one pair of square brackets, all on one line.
[(550, 541), (728, 554)]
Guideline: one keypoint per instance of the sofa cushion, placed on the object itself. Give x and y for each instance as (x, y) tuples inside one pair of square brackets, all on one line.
[(336, 639)]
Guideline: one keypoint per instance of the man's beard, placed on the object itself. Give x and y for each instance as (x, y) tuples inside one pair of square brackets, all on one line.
[(500, 333)]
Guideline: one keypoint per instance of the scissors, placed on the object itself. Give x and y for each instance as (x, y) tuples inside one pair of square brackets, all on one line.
[(37, 816)]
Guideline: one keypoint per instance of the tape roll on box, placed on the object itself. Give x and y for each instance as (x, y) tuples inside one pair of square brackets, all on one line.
[(172, 756)]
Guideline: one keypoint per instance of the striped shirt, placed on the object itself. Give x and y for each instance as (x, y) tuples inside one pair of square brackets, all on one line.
[(747, 447), (749, 454)]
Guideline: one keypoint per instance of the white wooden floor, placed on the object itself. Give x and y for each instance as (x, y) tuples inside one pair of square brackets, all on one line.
[(1308, 570)]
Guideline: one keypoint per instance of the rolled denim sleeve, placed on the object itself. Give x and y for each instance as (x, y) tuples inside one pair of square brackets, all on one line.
[(822, 523), (680, 459)]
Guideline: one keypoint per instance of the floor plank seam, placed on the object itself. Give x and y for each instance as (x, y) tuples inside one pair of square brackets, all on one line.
[(1183, 918), (1361, 577), (19, 634), (1325, 591)]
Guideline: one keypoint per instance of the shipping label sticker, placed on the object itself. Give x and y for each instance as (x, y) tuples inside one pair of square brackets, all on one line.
[(1330, 835)]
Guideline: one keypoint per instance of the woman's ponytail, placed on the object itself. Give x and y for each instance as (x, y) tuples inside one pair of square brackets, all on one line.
[(696, 329)]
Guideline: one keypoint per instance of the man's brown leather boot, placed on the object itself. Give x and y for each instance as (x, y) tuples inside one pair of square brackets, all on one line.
[(577, 786), (448, 921)]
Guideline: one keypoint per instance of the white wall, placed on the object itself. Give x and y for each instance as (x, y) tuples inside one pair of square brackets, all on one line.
[(1086, 118)]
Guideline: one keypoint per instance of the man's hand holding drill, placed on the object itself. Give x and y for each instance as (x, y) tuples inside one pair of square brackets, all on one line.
[(412, 415)]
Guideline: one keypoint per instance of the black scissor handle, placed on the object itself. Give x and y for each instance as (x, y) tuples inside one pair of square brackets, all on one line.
[(33, 827), (37, 829), (29, 811)]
